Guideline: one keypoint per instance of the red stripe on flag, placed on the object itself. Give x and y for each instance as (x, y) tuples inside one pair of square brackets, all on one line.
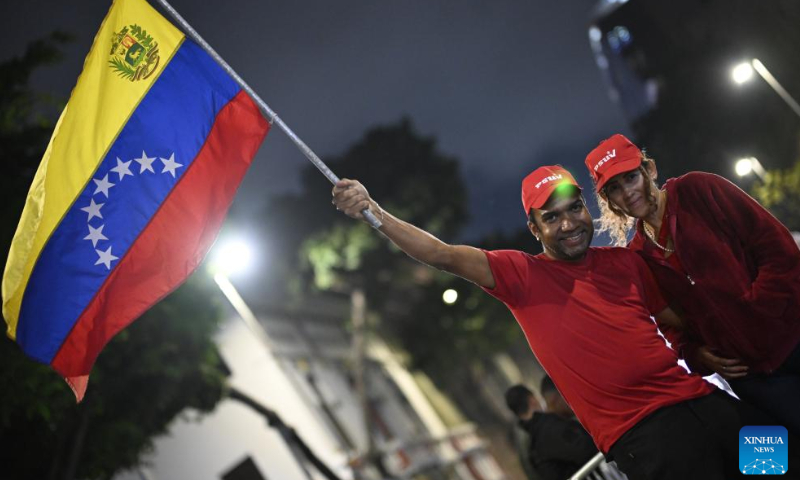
[(175, 241)]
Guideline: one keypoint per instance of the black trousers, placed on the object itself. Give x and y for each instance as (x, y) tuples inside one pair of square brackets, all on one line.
[(695, 439), (777, 394)]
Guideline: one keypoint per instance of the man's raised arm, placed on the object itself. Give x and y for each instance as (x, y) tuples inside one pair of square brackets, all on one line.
[(467, 262)]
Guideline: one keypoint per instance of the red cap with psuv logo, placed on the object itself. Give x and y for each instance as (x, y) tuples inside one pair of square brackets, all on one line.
[(614, 155), (541, 183)]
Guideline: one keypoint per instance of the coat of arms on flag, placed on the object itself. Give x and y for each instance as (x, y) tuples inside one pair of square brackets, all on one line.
[(134, 53)]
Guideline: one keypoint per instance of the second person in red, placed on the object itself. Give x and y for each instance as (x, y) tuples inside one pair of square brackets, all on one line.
[(726, 264)]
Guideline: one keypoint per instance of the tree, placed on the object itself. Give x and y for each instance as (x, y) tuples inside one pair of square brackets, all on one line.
[(780, 193), (412, 179), (161, 365), (24, 127)]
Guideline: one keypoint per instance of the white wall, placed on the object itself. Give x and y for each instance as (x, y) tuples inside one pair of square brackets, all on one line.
[(205, 449)]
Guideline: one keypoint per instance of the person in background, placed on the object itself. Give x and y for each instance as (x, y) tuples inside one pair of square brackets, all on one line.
[(554, 401), (557, 447)]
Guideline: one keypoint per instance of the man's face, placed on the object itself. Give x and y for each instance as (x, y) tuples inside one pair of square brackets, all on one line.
[(563, 225)]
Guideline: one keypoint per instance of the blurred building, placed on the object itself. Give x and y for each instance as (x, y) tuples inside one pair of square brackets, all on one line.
[(668, 66), (302, 369)]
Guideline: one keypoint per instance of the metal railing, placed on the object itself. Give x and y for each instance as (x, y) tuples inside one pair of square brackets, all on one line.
[(598, 469), (460, 454)]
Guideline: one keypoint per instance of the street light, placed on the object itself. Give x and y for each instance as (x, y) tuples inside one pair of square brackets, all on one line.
[(746, 166), (744, 71), (450, 296), (232, 257)]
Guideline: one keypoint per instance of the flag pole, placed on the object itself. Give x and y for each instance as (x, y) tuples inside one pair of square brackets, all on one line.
[(273, 117)]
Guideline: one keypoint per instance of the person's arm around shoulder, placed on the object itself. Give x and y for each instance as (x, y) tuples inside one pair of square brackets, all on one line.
[(470, 263)]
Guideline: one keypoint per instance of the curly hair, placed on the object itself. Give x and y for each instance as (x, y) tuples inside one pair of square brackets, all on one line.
[(615, 221)]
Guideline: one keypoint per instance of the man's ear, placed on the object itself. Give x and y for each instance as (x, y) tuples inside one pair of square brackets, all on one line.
[(534, 229)]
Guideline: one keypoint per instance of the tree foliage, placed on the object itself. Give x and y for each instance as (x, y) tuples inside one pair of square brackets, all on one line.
[(780, 193), (25, 127), (408, 176), (164, 363)]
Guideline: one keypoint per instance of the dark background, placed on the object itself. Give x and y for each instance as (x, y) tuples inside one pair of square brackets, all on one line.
[(502, 85)]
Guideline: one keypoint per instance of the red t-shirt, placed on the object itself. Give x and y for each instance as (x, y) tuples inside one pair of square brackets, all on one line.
[(589, 325)]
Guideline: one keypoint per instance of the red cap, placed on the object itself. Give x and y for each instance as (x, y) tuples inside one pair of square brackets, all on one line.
[(614, 155), (541, 183)]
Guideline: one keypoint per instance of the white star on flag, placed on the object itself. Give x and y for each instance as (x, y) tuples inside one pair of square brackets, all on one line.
[(123, 168), (95, 235), (146, 162), (105, 258), (93, 210), (102, 185), (170, 165)]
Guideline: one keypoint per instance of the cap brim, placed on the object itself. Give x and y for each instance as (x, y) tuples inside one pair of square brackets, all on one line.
[(616, 169)]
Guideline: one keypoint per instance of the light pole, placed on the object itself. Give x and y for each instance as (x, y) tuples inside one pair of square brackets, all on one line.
[(746, 166), (235, 257), (744, 72), (232, 257)]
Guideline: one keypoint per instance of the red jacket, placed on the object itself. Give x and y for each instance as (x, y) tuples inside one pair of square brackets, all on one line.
[(741, 294)]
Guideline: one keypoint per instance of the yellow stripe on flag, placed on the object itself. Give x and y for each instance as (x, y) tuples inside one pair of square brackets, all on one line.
[(119, 70)]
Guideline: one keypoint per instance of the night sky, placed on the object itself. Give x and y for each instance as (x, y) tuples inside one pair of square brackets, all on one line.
[(504, 85)]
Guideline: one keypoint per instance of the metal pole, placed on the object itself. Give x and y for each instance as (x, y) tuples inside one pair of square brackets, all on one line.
[(587, 469), (358, 306), (273, 117), (358, 314), (247, 315), (759, 170), (762, 70), (250, 320)]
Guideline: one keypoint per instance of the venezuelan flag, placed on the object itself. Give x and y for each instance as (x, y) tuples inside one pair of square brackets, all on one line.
[(133, 187)]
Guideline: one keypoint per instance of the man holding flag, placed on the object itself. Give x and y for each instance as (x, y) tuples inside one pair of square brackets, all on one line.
[(138, 176)]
